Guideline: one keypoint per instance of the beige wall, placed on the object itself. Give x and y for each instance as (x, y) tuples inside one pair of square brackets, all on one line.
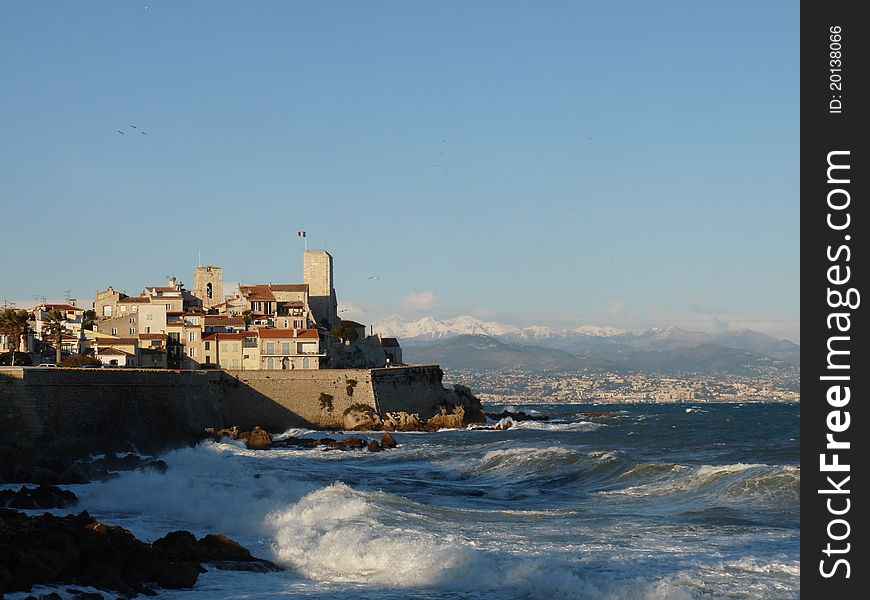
[(90, 407)]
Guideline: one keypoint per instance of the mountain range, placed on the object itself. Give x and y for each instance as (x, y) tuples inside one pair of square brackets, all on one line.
[(467, 342)]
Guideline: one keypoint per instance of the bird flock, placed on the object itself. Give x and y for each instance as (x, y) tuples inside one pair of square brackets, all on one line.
[(121, 131)]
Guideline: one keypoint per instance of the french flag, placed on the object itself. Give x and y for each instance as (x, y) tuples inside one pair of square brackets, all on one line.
[(300, 234)]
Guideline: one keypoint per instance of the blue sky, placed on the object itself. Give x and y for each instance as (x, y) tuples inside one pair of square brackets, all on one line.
[(631, 164)]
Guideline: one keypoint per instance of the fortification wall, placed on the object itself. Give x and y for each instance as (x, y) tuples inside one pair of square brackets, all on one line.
[(153, 408)]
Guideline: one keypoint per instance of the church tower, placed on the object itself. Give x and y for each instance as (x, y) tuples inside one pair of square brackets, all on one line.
[(208, 285), (317, 272)]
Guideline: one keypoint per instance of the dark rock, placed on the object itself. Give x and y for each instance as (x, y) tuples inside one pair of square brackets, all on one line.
[(219, 547), (154, 465), (354, 443), (388, 441), (374, 446), (325, 441), (258, 439), (336, 445), (177, 575), (255, 565), (517, 416), (74, 474), (178, 545), (594, 414)]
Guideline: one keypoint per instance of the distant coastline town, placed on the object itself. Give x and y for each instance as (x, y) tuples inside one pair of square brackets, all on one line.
[(266, 326), (290, 326)]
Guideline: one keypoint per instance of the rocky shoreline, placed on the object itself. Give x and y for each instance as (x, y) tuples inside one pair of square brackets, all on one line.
[(77, 550)]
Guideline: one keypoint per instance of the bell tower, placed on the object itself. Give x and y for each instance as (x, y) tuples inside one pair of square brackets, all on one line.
[(208, 285)]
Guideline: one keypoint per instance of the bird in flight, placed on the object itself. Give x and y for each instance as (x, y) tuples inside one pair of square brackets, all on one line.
[(143, 132), (121, 132), (133, 126), (373, 277)]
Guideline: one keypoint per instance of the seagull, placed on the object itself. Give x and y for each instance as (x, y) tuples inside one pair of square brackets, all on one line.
[(143, 133), (121, 132), (133, 126), (373, 277)]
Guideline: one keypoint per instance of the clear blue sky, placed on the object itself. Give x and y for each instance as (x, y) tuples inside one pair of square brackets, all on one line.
[(561, 163)]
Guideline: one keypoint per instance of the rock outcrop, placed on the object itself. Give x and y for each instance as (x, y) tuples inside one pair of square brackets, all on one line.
[(447, 419), (361, 417), (47, 549)]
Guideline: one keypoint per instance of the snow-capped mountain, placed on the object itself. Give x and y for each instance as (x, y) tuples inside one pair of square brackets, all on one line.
[(582, 341), (429, 328)]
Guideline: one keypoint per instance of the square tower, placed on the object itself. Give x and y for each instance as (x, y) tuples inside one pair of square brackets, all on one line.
[(317, 272), (208, 285)]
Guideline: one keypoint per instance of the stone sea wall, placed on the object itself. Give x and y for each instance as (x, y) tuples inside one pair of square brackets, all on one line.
[(93, 408)]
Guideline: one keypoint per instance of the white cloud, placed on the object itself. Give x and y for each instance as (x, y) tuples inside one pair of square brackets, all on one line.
[(420, 301), (616, 307)]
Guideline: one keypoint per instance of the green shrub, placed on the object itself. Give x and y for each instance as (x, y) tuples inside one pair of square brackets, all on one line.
[(22, 359)]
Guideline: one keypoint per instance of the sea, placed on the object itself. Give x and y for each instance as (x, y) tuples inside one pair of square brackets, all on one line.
[(656, 501)]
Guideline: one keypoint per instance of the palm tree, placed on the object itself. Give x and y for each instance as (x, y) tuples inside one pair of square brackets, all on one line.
[(53, 326), (14, 324)]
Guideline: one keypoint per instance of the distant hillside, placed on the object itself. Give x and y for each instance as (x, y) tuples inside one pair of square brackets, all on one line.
[(587, 341), (485, 353)]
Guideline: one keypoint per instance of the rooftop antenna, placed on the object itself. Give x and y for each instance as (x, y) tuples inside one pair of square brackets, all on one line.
[(66, 294)]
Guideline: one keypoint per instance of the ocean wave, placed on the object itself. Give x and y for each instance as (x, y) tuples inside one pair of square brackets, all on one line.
[(556, 426), (777, 485)]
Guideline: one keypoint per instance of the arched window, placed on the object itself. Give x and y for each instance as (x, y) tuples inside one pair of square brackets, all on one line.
[(208, 291), (306, 363), (270, 363)]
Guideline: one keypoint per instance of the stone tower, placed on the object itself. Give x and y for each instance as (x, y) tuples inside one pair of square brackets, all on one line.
[(317, 272), (208, 285)]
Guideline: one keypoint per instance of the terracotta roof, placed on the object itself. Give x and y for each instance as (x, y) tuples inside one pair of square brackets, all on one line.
[(134, 300), (152, 336), (257, 293), (61, 307), (287, 333), (116, 341), (289, 287), (212, 320), (390, 343), (113, 352), (162, 289), (217, 337)]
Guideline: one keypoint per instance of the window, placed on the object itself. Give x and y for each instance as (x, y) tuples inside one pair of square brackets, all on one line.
[(149, 317), (297, 323), (191, 336), (285, 348), (148, 329), (208, 291), (235, 363), (208, 358), (270, 348), (270, 363), (235, 347), (306, 363), (286, 323), (132, 319), (168, 307), (114, 331), (132, 331), (191, 352), (223, 347), (208, 346), (107, 311)]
